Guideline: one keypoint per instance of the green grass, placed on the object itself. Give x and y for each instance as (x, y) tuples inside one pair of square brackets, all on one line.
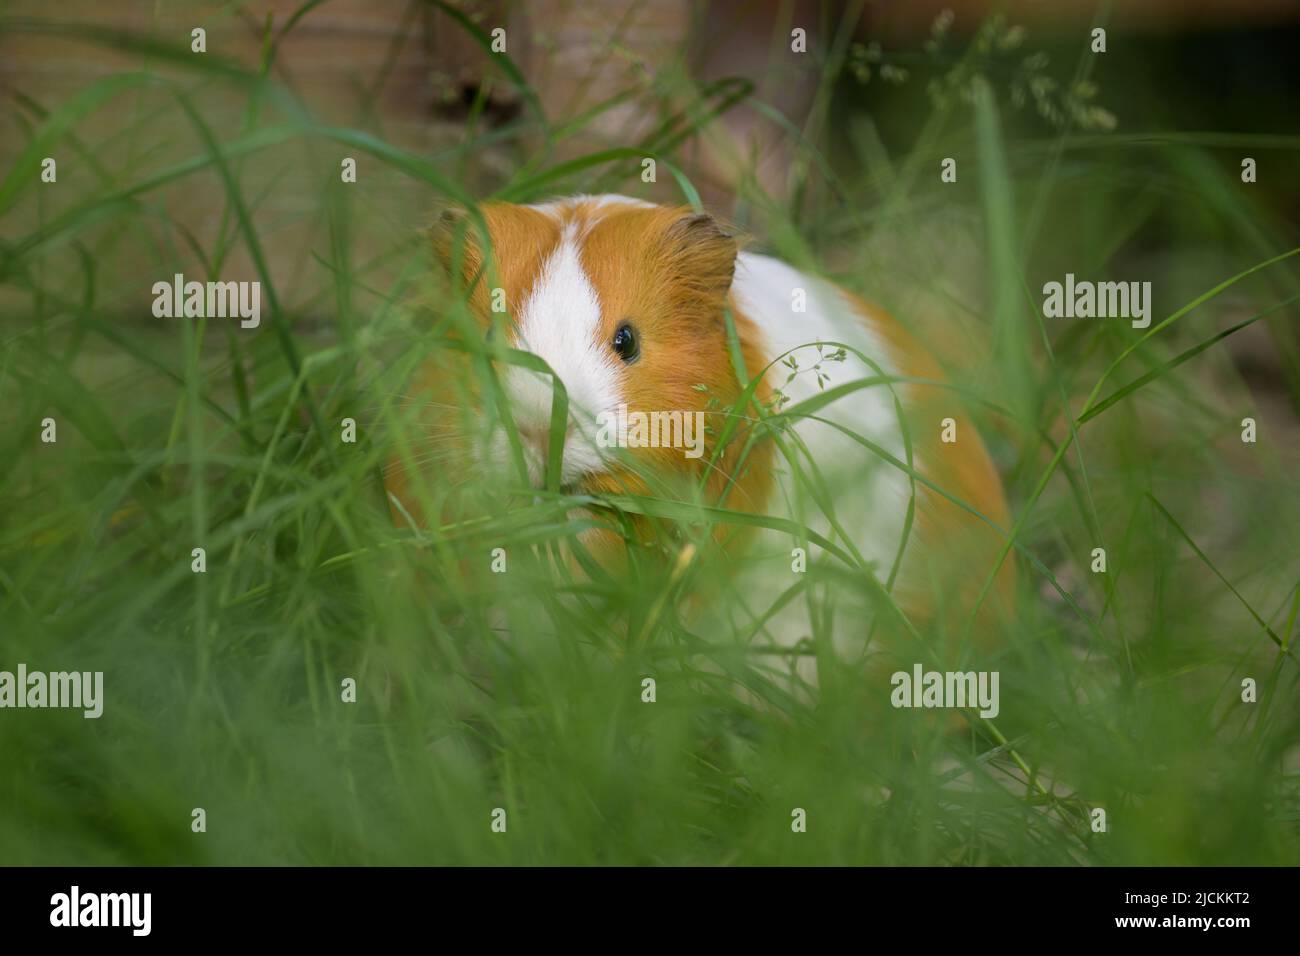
[(523, 690)]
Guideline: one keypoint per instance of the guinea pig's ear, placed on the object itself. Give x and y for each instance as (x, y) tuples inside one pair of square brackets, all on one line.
[(704, 251), (454, 239)]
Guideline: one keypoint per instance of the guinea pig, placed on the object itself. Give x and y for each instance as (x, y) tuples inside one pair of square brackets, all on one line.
[(843, 425)]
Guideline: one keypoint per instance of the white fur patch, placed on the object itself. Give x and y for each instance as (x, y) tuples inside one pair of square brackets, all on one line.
[(560, 322), (870, 495), (557, 207)]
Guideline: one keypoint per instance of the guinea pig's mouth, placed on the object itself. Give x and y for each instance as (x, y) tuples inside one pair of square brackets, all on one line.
[(579, 485), (591, 481), (582, 465), (570, 480)]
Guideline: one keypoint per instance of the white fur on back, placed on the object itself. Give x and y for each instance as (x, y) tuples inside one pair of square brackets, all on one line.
[(870, 496)]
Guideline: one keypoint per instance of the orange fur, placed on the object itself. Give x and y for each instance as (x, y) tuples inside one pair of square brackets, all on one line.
[(530, 236), (944, 530)]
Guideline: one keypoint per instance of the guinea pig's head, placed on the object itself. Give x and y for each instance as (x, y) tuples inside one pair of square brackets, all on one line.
[(625, 302)]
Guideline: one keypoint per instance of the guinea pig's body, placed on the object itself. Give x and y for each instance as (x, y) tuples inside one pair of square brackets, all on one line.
[(627, 304)]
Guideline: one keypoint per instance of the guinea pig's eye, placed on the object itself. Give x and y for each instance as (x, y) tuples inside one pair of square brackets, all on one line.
[(625, 344)]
